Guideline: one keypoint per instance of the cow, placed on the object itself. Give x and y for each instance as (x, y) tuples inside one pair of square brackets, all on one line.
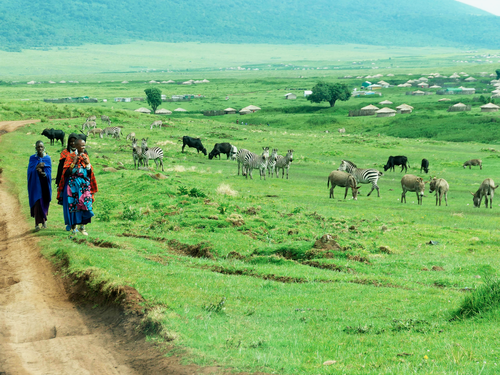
[(343, 179), (473, 162), (54, 135), (424, 166), (220, 148), (486, 189), (397, 160), (193, 142), (410, 182)]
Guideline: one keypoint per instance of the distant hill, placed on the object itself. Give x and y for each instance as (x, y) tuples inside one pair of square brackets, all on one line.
[(37, 23)]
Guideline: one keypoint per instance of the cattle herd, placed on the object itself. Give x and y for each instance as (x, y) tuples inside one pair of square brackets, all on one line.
[(348, 175)]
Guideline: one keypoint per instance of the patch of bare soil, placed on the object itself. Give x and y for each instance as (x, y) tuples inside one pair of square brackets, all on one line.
[(247, 272), (200, 250), (326, 266), (48, 329)]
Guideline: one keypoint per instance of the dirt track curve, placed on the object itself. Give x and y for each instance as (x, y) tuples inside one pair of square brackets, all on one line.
[(42, 332)]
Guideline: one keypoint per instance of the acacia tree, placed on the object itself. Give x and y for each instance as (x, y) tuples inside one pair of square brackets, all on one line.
[(153, 96), (329, 92)]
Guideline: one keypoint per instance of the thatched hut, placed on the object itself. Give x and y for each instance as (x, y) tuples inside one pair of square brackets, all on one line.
[(290, 96), (245, 111), (470, 79), (435, 87), (490, 107), (418, 93), (143, 110), (404, 109), (180, 110), (229, 111), (369, 110), (385, 102), (252, 108), (495, 96), (386, 112), (444, 100), (163, 111)]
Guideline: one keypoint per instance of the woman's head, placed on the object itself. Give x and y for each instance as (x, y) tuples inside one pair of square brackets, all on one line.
[(71, 142), (80, 146), (40, 148)]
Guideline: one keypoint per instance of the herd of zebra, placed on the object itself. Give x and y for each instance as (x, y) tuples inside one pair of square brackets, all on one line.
[(91, 124), (248, 161)]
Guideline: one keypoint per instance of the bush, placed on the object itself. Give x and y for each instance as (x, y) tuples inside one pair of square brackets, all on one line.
[(483, 299)]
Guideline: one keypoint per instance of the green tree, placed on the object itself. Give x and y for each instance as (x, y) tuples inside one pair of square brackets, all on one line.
[(329, 92), (153, 96), (498, 73)]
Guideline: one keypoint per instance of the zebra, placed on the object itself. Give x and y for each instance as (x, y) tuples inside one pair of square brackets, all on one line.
[(240, 157), (91, 118), (114, 131), (136, 153), (283, 162), (158, 123), (95, 131), (130, 136), (155, 153), (89, 124), (272, 162), (362, 176), (105, 119), (254, 161)]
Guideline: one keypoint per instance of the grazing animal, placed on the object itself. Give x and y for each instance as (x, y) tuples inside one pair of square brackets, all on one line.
[(83, 136), (220, 148), (89, 124), (473, 162), (441, 187), (253, 161), (130, 136), (114, 131), (283, 162), (342, 130), (397, 160), (362, 176), (54, 135), (157, 123), (240, 158), (105, 119), (136, 153), (233, 153), (154, 153), (91, 118), (424, 166), (94, 131), (193, 142), (271, 163), (486, 189), (343, 179), (410, 182)]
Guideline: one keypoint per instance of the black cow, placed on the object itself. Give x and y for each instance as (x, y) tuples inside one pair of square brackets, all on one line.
[(397, 160), (220, 148), (193, 142), (424, 166), (53, 134)]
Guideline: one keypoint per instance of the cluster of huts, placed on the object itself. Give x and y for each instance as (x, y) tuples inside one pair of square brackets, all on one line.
[(371, 110), (189, 82), (161, 111), (243, 111)]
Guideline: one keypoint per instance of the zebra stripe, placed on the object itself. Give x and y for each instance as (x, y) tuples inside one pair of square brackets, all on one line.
[(362, 176), (114, 131), (91, 118), (272, 162), (136, 153), (154, 153), (283, 162), (240, 157), (105, 119), (158, 123), (253, 161), (89, 124)]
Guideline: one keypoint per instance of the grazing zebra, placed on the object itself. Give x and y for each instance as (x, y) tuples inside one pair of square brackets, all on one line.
[(253, 161), (283, 162), (105, 119), (155, 153), (362, 176), (272, 162), (91, 118), (158, 123), (136, 153), (240, 157), (130, 136), (95, 131), (114, 131), (89, 124)]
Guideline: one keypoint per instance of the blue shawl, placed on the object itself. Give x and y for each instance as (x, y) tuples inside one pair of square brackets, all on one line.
[(34, 181)]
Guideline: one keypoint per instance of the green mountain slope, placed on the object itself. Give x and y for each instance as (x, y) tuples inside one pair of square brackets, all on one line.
[(36, 23)]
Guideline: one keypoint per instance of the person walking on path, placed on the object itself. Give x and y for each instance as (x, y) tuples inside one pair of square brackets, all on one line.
[(39, 185), (62, 158), (78, 189)]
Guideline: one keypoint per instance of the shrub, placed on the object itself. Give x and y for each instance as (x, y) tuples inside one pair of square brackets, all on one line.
[(484, 298)]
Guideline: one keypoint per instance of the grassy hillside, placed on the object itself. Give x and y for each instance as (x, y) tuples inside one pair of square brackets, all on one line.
[(48, 23)]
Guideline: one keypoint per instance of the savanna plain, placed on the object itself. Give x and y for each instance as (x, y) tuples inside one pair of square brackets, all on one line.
[(272, 275)]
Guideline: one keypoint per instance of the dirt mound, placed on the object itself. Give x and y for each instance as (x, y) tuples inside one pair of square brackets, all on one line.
[(200, 250), (327, 242)]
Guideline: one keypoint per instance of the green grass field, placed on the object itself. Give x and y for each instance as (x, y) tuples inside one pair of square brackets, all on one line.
[(237, 279)]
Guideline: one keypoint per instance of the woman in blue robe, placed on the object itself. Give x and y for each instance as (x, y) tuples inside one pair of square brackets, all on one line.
[(39, 185)]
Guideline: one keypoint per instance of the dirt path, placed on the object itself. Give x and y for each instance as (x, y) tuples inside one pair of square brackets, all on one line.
[(42, 332)]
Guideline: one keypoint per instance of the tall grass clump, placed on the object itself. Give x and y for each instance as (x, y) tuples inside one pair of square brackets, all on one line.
[(483, 299)]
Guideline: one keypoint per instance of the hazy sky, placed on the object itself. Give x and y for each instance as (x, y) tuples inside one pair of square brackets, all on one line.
[(492, 6)]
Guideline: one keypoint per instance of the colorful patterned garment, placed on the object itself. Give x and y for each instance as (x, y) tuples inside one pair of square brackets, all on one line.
[(60, 176), (67, 165), (78, 191)]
